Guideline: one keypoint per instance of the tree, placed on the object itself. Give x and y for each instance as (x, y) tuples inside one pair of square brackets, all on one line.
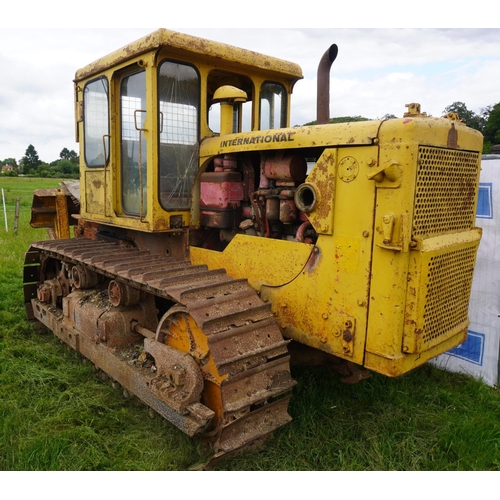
[(30, 161), (341, 119), (66, 168), (492, 128), (71, 156)]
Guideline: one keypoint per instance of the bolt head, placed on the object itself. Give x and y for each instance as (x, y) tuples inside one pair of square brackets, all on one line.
[(348, 336)]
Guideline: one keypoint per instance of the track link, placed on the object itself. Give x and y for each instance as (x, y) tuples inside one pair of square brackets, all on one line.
[(220, 322)]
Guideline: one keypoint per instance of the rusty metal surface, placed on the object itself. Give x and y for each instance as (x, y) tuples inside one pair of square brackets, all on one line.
[(179, 381), (195, 45), (117, 365), (323, 97), (54, 209), (237, 347), (254, 425)]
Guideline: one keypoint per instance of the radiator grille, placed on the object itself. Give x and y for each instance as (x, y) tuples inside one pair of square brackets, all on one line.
[(448, 290), (446, 191)]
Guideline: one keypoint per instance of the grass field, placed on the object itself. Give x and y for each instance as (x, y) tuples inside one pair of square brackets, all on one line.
[(56, 415)]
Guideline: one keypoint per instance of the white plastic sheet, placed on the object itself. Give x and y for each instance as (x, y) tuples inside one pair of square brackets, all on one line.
[(479, 355)]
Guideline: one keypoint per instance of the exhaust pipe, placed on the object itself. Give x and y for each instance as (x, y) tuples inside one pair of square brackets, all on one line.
[(323, 98)]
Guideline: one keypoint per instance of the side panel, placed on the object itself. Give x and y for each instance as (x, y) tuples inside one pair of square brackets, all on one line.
[(96, 200), (326, 306), (263, 261), (318, 293)]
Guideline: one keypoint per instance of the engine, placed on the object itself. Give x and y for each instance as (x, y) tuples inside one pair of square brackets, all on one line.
[(271, 203)]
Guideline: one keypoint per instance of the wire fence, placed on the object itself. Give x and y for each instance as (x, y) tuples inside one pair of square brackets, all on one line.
[(16, 210)]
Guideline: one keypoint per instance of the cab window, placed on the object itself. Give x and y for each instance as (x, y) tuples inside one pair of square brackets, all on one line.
[(273, 106), (178, 110), (96, 123), (133, 143)]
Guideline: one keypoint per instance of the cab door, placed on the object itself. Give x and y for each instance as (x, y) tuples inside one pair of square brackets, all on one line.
[(95, 153), (133, 145)]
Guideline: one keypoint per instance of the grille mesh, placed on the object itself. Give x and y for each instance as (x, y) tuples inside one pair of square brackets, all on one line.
[(445, 191), (448, 290)]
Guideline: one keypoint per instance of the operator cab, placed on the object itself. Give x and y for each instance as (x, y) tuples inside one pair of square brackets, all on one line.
[(143, 111)]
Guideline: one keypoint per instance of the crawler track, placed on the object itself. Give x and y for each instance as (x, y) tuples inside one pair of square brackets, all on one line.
[(219, 322)]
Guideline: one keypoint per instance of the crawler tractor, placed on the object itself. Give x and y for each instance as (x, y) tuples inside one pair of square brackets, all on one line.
[(209, 236)]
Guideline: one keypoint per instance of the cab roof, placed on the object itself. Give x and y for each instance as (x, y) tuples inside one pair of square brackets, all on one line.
[(216, 51)]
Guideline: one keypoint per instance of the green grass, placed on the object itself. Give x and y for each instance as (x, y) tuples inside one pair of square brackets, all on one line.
[(55, 414)]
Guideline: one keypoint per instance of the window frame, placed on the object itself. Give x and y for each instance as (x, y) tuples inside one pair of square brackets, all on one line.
[(107, 152), (284, 106), (172, 207), (125, 200)]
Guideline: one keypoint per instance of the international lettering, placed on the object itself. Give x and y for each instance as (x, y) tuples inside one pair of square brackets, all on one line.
[(259, 139)]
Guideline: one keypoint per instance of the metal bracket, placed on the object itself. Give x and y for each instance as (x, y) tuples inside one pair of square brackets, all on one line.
[(389, 225), (348, 337), (390, 171)]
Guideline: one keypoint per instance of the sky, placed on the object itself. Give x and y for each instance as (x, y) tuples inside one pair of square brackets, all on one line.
[(377, 71)]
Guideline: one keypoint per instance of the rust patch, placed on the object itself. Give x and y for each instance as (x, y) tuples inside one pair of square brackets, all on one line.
[(97, 184), (322, 166), (452, 137), (313, 260), (176, 221)]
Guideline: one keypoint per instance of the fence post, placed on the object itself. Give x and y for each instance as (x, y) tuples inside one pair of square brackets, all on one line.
[(16, 215), (5, 211)]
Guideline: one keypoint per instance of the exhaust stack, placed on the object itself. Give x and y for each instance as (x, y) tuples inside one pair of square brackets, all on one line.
[(323, 98)]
